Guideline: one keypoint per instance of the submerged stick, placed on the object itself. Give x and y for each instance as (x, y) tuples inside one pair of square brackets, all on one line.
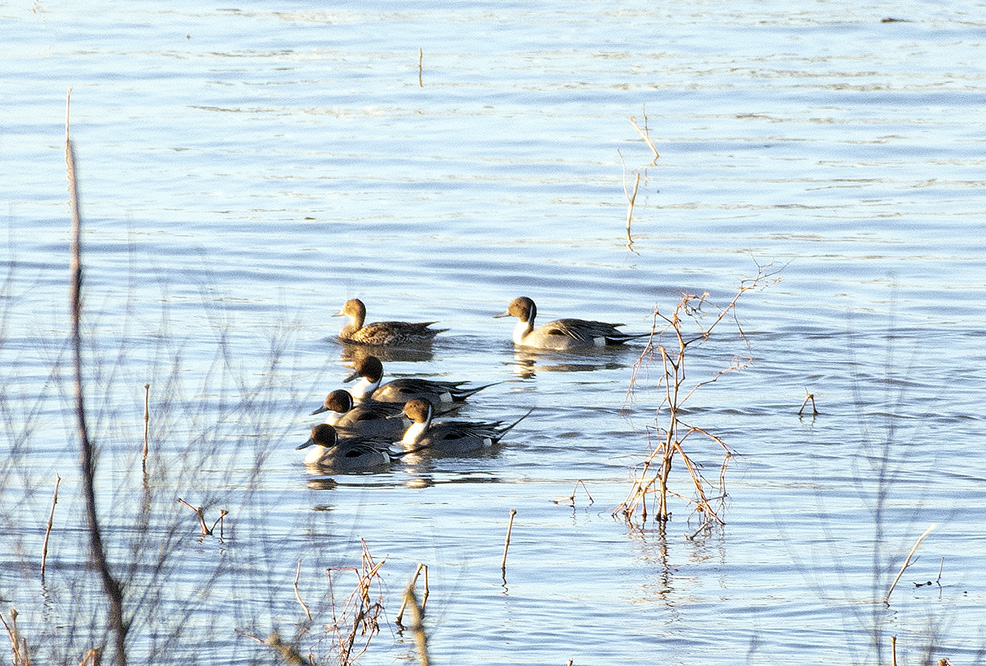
[(506, 544), (51, 519), (907, 562)]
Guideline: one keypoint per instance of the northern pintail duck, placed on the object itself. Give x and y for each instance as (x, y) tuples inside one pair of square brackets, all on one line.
[(449, 437), (350, 454), (561, 334), (369, 418), (369, 370), (382, 333)]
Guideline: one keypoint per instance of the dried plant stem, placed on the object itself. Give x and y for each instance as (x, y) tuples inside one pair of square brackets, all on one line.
[(506, 544), (631, 198), (51, 520), (646, 138), (893, 650), (297, 594), (571, 498), (92, 657), (111, 587), (907, 561), (360, 613), (809, 397), (219, 521), (288, 653), (424, 598), (200, 513), (421, 57), (147, 421), (417, 626), (654, 474), (18, 645)]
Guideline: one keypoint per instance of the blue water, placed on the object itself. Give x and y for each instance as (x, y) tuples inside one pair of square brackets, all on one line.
[(245, 170)]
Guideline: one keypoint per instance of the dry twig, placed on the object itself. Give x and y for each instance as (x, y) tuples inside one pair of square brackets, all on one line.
[(147, 420), (297, 594), (51, 520), (18, 644), (655, 471), (289, 653), (417, 626), (646, 137), (360, 614), (808, 397), (907, 562), (571, 499), (424, 598), (92, 658), (506, 544)]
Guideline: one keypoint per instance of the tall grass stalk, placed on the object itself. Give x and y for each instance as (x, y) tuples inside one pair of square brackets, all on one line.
[(111, 586)]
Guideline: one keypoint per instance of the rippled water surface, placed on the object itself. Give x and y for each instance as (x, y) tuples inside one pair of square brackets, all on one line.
[(246, 169)]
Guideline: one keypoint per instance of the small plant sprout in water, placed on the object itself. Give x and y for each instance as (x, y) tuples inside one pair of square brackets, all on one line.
[(348, 631), (688, 325)]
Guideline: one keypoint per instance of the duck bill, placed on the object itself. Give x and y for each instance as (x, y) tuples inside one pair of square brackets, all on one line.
[(505, 313), (321, 409), (354, 375), (311, 440)]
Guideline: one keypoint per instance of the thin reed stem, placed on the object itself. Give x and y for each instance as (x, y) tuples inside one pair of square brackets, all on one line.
[(297, 594), (646, 137), (571, 498), (51, 520), (506, 544), (907, 562), (147, 421), (631, 198), (111, 587), (424, 599)]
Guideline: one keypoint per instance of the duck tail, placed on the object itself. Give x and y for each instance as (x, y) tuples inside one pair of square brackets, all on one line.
[(505, 429), (461, 394), (622, 337)]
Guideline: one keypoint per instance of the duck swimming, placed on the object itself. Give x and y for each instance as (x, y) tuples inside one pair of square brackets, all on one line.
[(351, 454), (369, 370), (561, 334), (449, 438), (382, 333), (369, 418)]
